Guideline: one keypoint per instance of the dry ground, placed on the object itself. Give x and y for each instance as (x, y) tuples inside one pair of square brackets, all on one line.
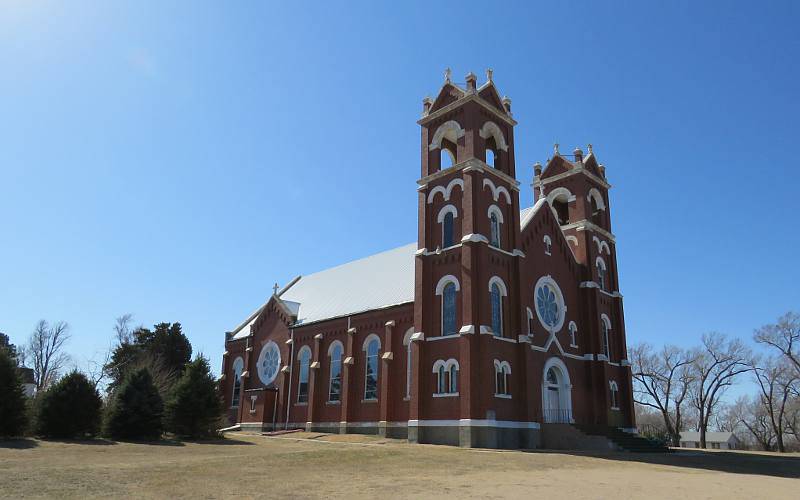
[(307, 465)]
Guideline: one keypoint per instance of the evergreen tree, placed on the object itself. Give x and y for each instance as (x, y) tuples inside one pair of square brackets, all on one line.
[(13, 414), (136, 409), (165, 346), (194, 407), (69, 409)]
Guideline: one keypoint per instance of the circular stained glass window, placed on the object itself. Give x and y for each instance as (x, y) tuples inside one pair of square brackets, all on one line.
[(269, 362), (549, 304)]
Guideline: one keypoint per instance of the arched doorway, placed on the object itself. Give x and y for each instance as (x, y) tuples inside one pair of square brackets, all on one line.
[(556, 393)]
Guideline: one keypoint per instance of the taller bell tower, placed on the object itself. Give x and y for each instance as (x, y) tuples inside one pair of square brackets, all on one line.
[(466, 305)]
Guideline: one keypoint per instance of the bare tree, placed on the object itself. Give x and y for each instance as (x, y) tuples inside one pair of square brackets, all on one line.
[(46, 350), (714, 368), (783, 336), (122, 329), (776, 379), (661, 381), (750, 413)]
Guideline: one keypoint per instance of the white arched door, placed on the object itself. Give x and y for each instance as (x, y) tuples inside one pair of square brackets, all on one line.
[(556, 393)]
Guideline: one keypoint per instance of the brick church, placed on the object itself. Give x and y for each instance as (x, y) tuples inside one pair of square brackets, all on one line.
[(498, 323)]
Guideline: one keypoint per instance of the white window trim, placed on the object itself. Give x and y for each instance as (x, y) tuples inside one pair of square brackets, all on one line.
[(503, 367), (446, 210), (407, 344), (548, 280), (548, 244), (445, 365), (573, 332)]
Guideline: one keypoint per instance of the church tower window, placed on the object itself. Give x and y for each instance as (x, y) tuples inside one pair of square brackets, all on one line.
[(497, 311), (449, 309)]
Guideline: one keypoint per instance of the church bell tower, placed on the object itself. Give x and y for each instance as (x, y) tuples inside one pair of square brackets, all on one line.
[(468, 257)]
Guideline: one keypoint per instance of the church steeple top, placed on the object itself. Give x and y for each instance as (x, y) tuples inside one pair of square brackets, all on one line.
[(486, 95)]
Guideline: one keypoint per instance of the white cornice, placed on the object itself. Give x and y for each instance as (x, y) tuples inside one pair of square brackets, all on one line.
[(583, 225), (574, 171), (470, 165), (460, 102)]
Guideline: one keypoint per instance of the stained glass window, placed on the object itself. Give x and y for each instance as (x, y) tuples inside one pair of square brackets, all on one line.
[(335, 391), (449, 309), (547, 305), (447, 230), (302, 386), (371, 387), (269, 362), (497, 311)]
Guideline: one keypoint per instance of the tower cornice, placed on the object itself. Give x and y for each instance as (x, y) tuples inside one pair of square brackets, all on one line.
[(472, 164), (460, 102), (575, 171)]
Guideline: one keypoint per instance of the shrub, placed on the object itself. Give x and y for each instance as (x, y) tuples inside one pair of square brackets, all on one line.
[(194, 407), (136, 409), (69, 409), (13, 411)]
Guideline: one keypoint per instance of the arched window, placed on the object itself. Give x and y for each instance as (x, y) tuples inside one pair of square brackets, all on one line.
[(560, 199), (596, 204), (497, 310), (606, 327), (304, 358), (614, 392), (446, 377), (238, 367), (453, 378), (573, 331), (490, 157), (495, 230), (548, 244), (449, 309), (447, 230), (447, 159), (335, 389), (373, 345), (407, 343), (442, 383), (601, 273), (530, 319), (502, 370)]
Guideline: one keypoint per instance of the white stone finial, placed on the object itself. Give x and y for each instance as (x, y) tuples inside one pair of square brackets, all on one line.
[(541, 191), (489, 72), (275, 289), (447, 74), (555, 149), (589, 147)]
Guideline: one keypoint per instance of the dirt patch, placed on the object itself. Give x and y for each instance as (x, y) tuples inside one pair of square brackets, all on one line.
[(315, 465)]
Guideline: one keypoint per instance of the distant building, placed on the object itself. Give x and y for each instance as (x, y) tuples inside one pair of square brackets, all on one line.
[(27, 381), (714, 440)]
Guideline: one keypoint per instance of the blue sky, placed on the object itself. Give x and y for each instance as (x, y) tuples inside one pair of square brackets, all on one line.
[(175, 159)]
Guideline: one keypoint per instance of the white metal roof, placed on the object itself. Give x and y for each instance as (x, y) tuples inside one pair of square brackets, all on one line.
[(374, 282), (378, 281)]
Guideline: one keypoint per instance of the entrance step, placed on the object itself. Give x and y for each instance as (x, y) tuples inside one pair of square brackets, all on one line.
[(623, 440)]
